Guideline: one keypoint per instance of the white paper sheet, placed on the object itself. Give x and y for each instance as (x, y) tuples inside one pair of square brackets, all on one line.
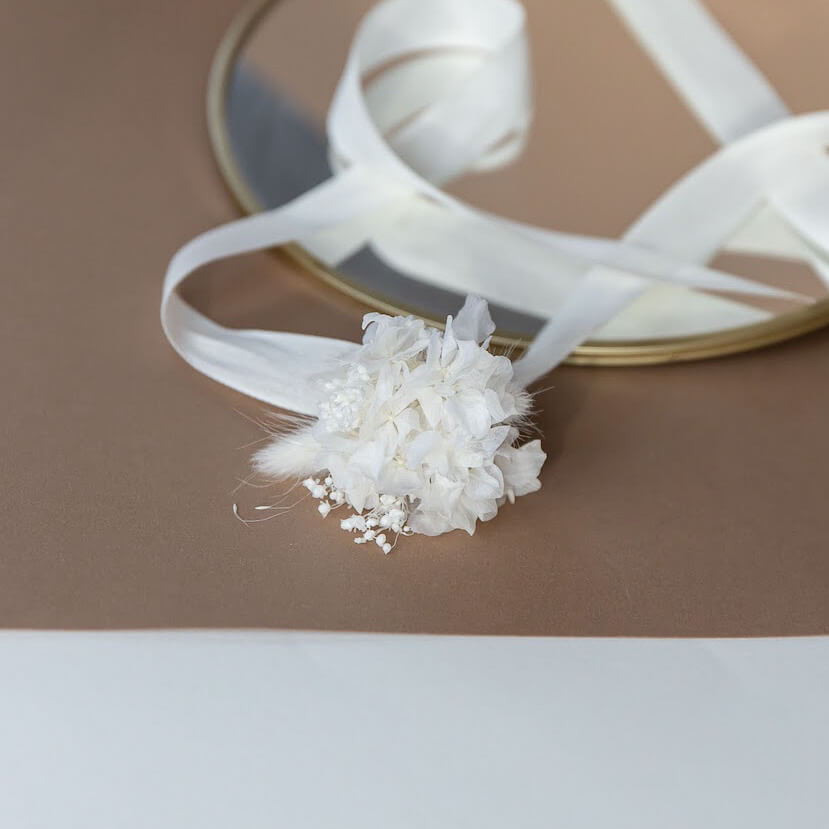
[(272, 729)]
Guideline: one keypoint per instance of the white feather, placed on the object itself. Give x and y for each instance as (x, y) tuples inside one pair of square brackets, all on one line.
[(290, 455)]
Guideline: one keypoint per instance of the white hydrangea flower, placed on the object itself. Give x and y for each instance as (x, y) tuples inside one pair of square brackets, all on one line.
[(417, 433)]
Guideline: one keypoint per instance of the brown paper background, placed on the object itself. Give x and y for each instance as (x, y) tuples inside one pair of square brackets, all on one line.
[(679, 500)]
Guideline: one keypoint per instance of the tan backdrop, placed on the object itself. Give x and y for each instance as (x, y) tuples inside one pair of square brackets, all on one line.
[(681, 500)]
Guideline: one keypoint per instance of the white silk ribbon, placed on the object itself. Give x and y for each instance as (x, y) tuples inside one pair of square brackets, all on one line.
[(435, 88)]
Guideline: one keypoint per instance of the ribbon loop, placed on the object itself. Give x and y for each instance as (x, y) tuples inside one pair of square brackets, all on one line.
[(433, 89)]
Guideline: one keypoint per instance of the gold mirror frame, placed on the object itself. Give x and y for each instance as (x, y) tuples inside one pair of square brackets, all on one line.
[(782, 327)]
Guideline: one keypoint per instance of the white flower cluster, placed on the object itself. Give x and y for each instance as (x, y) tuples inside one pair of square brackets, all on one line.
[(417, 433), (389, 515)]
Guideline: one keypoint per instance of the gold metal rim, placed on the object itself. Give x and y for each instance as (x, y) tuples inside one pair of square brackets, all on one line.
[(592, 353)]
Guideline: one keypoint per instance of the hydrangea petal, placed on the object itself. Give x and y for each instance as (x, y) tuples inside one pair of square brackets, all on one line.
[(521, 466), (474, 321)]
